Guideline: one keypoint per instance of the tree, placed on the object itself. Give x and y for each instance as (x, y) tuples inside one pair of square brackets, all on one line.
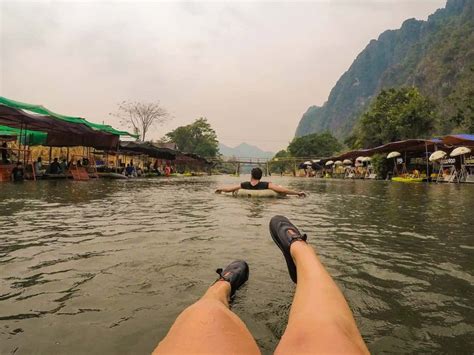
[(141, 116), (464, 116), (395, 114), (281, 162), (318, 145), (197, 137)]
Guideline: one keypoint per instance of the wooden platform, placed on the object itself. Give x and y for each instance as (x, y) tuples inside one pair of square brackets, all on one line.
[(79, 173), (6, 172)]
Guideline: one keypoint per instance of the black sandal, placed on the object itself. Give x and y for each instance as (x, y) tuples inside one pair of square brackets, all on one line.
[(236, 273), (279, 227)]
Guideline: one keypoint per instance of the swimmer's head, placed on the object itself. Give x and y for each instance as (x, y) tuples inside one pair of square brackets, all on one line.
[(256, 173)]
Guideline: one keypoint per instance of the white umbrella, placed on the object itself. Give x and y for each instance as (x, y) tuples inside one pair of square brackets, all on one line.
[(307, 163), (338, 162), (360, 159), (460, 151), (347, 162), (439, 154), (367, 159), (393, 155), (330, 162), (316, 161)]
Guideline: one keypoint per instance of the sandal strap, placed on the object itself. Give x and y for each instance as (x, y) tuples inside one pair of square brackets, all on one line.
[(300, 237), (221, 276)]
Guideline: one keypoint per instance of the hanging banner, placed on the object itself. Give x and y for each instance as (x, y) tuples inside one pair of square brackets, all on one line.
[(449, 161), (418, 161), (469, 160)]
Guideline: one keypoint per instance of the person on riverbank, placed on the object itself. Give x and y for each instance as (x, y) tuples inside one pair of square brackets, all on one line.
[(5, 153), (38, 166), (18, 173), (256, 184), (130, 171), (63, 165), (320, 320), (55, 167)]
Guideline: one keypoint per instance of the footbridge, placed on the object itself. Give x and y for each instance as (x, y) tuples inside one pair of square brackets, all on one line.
[(263, 163), (238, 162)]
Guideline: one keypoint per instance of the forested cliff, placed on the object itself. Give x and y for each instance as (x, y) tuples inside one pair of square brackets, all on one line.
[(436, 56)]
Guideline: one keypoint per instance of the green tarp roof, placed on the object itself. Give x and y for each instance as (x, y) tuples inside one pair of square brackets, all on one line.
[(44, 111), (27, 137)]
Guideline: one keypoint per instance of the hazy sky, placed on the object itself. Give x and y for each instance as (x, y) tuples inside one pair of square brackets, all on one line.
[(251, 68)]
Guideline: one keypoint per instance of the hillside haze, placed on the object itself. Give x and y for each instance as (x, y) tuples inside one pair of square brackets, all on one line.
[(244, 150), (436, 56)]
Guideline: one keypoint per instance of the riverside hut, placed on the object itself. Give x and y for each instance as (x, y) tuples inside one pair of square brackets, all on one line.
[(37, 125)]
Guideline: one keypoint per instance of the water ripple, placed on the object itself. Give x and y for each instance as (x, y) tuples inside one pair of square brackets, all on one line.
[(114, 262)]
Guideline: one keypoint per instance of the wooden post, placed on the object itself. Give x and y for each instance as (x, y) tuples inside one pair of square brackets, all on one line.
[(116, 158), (50, 154), (19, 143), (427, 163)]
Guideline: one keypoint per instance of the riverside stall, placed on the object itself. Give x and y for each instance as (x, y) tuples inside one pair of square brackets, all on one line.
[(59, 130)]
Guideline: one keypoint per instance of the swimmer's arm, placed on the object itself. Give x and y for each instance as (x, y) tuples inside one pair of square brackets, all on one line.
[(228, 189), (284, 190)]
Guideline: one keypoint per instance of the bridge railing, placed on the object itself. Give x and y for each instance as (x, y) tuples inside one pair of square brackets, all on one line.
[(245, 160), (252, 160)]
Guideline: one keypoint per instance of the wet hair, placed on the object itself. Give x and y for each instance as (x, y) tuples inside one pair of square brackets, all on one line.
[(256, 173)]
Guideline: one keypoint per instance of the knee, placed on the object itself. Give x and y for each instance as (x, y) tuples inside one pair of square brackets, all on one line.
[(327, 339), (296, 342), (205, 309)]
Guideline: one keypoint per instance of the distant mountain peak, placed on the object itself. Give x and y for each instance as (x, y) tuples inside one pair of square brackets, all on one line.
[(244, 150)]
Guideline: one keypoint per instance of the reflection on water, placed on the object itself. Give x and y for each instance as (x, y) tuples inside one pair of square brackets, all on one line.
[(105, 266)]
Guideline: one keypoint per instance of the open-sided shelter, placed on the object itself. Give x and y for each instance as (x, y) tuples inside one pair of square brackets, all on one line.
[(61, 130)]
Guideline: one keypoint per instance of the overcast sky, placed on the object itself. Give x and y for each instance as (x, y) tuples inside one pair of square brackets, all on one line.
[(251, 68)]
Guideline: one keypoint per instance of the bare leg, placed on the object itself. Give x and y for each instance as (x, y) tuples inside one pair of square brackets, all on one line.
[(320, 320), (209, 327)]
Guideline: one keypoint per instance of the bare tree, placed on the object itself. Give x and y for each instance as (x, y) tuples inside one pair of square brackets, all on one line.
[(141, 116)]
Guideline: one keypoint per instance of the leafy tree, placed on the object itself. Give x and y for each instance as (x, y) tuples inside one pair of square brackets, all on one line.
[(380, 164), (395, 114), (197, 137), (320, 145), (464, 117), (141, 116), (281, 162)]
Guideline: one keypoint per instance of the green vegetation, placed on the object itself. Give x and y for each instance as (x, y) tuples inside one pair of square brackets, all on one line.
[(281, 162), (395, 114), (380, 164), (435, 56), (320, 145), (197, 137), (313, 145), (463, 119)]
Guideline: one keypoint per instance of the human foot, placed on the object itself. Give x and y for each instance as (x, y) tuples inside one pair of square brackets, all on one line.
[(236, 273), (284, 233)]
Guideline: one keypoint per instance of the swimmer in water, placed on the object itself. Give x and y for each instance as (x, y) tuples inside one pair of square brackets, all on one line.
[(256, 184), (320, 321)]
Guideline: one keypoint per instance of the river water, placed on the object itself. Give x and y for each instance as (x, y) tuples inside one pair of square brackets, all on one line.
[(104, 267)]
